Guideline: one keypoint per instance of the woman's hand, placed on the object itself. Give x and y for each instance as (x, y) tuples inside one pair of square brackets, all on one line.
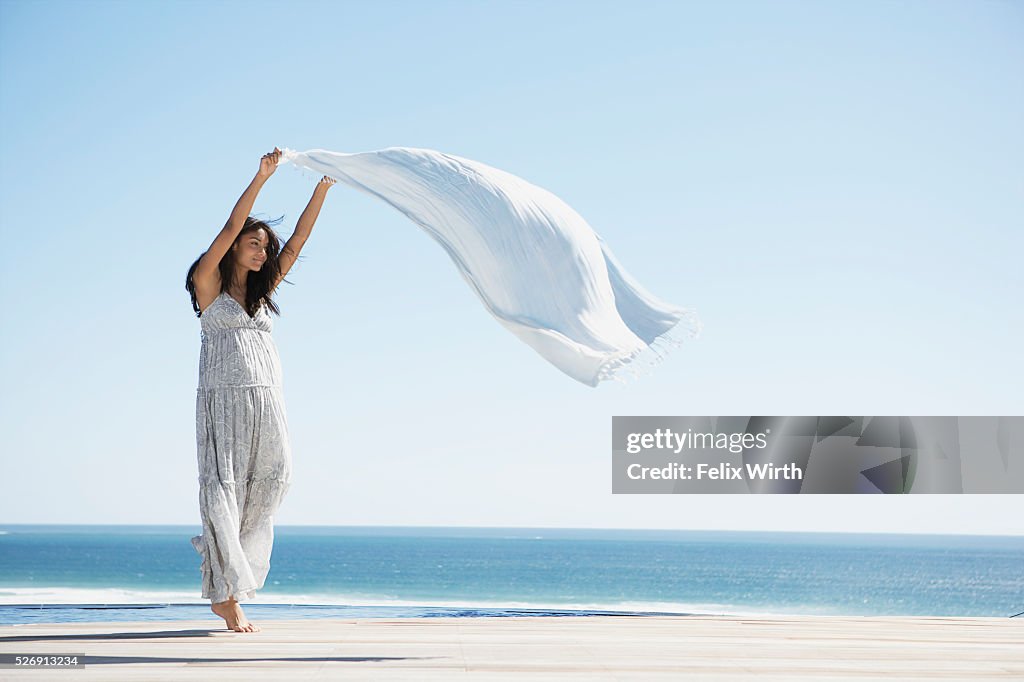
[(268, 164), (325, 182)]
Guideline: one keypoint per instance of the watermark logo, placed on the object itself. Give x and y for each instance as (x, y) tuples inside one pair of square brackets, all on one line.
[(837, 454)]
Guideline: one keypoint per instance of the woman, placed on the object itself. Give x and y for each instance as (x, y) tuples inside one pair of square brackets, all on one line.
[(242, 442)]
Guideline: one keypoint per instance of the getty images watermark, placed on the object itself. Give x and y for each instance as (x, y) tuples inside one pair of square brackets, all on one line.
[(818, 454)]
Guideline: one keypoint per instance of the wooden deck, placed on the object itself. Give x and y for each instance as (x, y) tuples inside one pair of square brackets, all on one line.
[(534, 648)]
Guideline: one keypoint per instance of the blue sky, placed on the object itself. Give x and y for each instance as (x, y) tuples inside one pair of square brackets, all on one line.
[(837, 188)]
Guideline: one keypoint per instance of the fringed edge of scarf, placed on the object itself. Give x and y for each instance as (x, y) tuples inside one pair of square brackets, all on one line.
[(638, 363)]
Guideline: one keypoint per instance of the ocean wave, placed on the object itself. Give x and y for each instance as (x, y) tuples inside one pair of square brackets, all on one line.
[(120, 598)]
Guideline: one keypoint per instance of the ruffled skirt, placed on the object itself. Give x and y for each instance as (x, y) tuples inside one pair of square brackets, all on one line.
[(245, 464)]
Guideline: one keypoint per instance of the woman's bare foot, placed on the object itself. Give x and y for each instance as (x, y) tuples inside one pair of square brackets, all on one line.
[(231, 612)]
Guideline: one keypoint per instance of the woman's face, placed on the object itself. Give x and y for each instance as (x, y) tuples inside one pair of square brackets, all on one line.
[(251, 250)]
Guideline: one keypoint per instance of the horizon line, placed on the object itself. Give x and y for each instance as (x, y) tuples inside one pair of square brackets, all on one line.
[(552, 528)]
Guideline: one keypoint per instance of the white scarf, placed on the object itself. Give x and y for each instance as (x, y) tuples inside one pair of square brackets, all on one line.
[(536, 265)]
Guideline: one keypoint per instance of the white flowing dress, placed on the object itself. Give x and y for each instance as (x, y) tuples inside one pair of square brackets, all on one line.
[(244, 455)]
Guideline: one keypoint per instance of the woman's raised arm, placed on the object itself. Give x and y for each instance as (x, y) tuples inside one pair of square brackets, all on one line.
[(206, 274), (303, 228)]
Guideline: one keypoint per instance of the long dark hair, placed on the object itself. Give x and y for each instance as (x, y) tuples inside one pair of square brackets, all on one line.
[(257, 286)]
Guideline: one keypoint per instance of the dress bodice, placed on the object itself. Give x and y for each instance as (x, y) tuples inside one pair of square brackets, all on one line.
[(227, 313), (237, 350)]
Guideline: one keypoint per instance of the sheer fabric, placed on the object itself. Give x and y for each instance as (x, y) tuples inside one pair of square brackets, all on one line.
[(533, 261)]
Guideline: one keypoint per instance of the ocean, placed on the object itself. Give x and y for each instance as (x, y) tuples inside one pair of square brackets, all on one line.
[(64, 573)]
